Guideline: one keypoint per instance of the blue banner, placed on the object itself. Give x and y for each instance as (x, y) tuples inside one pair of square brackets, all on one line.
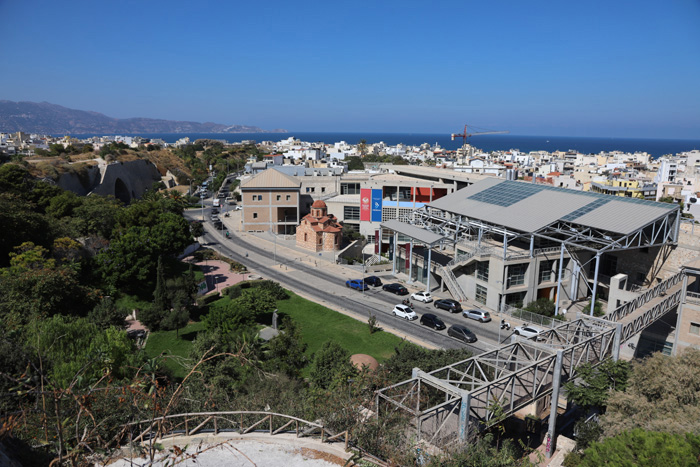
[(376, 205)]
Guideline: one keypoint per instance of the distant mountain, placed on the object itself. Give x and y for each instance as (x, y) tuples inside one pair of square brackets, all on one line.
[(45, 118)]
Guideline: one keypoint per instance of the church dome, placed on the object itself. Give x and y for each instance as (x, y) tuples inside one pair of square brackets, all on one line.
[(318, 204)]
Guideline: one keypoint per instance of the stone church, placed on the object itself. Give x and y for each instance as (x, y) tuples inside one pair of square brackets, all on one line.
[(319, 231)]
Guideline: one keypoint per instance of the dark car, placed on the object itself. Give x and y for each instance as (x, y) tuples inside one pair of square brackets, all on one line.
[(432, 321), (462, 333), (448, 304), (374, 281), (398, 289)]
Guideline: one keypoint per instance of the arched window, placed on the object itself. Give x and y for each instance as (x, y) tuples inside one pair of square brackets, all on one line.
[(306, 237)]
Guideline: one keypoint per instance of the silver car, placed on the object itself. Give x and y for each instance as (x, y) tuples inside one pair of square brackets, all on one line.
[(479, 315)]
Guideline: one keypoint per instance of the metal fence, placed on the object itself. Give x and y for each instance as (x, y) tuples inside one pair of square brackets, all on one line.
[(532, 318)]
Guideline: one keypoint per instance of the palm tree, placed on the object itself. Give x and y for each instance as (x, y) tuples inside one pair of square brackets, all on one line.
[(362, 147)]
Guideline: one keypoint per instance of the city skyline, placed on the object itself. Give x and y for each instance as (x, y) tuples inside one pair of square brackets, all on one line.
[(626, 69)]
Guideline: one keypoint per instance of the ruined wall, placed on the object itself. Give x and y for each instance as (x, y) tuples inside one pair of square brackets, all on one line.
[(127, 180), (80, 184), (123, 180)]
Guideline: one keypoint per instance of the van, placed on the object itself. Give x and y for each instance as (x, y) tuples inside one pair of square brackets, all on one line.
[(217, 202)]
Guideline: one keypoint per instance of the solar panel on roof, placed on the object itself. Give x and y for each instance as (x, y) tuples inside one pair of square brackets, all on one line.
[(585, 209), (507, 193)]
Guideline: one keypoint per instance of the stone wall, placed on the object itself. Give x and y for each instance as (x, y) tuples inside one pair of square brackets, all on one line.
[(307, 237), (123, 180)]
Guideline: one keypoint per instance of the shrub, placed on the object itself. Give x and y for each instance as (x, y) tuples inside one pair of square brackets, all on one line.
[(207, 299)]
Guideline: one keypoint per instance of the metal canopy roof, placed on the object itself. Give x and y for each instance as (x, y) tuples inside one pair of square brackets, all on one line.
[(530, 208), (417, 233)]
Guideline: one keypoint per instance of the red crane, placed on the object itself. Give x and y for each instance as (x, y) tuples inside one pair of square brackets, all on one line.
[(466, 135)]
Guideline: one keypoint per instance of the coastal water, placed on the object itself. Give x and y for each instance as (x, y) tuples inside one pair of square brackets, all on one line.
[(655, 147)]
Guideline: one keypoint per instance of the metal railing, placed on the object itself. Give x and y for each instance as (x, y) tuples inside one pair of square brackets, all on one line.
[(239, 421), (693, 297), (452, 285), (532, 318)]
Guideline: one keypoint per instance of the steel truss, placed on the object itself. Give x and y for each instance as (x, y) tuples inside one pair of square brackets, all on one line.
[(471, 395), (662, 230), (670, 289)]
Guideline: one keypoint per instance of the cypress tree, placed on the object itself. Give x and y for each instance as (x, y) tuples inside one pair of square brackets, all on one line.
[(160, 295)]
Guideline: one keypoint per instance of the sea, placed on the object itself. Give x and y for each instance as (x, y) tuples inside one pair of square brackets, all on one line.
[(585, 145)]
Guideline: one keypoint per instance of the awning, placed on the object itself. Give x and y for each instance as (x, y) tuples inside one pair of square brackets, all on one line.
[(417, 233)]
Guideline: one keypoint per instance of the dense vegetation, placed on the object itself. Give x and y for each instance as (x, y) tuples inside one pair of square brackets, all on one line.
[(650, 412)]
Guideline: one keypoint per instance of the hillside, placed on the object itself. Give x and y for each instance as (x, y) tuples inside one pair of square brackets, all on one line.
[(46, 118)]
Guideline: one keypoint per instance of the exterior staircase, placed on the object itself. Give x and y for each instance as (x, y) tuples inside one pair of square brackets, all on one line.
[(453, 286), (448, 276)]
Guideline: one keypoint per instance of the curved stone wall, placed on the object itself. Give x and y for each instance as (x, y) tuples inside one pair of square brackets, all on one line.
[(123, 180)]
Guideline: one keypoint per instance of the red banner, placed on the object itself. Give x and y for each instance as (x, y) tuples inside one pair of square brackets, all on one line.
[(408, 256), (365, 204)]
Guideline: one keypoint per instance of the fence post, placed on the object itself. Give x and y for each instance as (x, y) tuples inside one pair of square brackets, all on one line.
[(270, 418)]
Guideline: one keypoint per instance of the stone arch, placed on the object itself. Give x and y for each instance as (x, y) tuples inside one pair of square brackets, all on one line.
[(121, 192)]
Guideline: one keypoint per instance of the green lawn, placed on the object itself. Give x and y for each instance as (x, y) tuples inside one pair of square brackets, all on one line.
[(167, 343), (319, 324)]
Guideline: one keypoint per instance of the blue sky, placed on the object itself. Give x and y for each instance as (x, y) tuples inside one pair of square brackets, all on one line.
[(595, 68)]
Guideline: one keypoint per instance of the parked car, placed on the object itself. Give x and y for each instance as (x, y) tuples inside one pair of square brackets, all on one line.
[(398, 289), (356, 284), (462, 333), (214, 211), (432, 321), (529, 331), (374, 281), (424, 297), (237, 208), (448, 304), (478, 315), (405, 311)]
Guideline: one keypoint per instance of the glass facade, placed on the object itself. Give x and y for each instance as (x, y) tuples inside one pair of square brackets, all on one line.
[(482, 271), (351, 213), (481, 293), (516, 274)]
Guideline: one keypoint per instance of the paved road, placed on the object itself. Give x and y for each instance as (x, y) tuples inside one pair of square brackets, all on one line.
[(325, 283)]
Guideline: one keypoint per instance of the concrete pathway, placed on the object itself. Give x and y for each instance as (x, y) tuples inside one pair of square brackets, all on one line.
[(235, 450)]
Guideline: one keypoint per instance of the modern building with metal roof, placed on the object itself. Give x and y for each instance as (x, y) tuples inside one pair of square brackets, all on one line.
[(514, 242)]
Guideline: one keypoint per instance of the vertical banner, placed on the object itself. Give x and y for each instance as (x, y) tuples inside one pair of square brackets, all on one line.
[(426, 266), (376, 205), (408, 255), (377, 243), (365, 203), (391, 248)]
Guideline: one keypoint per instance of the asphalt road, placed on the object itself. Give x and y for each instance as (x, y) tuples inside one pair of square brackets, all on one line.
[(325, 284)]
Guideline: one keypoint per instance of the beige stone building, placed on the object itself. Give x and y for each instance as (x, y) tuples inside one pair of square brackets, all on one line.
[(270, 202), (319, 231)]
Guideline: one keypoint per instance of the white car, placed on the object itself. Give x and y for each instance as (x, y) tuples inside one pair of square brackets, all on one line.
[(405, 311), (424, 297), (237, 208), (529, 331)]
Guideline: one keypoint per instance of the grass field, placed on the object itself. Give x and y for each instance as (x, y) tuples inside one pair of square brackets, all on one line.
[(319, 324), (167, 343)]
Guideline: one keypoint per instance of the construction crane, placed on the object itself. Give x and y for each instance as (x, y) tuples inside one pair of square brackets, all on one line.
[(466, 135)]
